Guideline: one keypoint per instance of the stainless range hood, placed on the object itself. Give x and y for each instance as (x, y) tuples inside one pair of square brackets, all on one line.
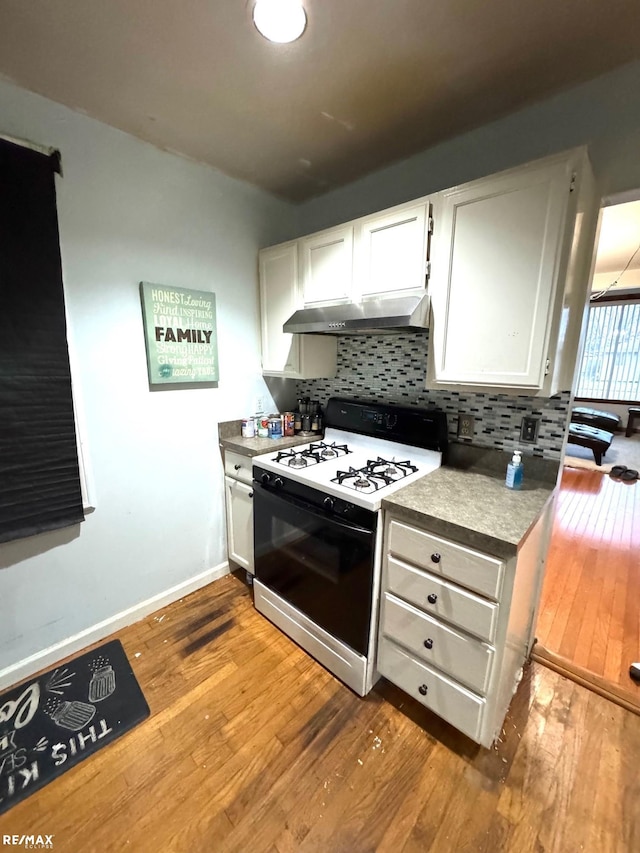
[(398, 314)]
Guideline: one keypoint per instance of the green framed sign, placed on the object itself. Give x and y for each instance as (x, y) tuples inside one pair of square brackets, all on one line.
[(180, 334)]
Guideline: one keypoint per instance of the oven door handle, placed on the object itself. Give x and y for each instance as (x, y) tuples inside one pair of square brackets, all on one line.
[(311, 508)]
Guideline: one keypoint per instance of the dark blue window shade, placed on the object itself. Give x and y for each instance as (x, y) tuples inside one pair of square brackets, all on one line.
[(39, 473)]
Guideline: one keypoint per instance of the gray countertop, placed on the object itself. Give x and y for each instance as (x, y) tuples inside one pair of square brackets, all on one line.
[(230, 438), (468, 502)]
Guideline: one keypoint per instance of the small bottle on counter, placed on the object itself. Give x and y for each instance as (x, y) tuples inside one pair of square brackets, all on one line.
[(515, 471), (316, 419)]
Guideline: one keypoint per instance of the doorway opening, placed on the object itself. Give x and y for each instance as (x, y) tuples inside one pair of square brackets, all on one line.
[(588, 625)]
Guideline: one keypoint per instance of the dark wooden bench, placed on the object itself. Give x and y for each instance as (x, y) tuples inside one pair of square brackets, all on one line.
[(597, 440), (634, 415), (595, 418)]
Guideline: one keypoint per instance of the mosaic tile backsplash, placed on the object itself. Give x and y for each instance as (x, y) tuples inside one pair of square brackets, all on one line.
[(392, 368)]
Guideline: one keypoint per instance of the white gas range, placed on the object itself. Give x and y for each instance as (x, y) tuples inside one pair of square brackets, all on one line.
[(317, 530), (358, 468)]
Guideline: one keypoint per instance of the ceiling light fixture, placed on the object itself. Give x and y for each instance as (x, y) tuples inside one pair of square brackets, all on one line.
[(279, 20)]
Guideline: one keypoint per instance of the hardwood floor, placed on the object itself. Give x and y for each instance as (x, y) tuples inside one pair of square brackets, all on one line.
[(253, 746), (589, 617)]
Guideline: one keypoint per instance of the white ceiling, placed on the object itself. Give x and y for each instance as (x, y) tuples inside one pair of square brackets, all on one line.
[(369, 82), (619, 240)]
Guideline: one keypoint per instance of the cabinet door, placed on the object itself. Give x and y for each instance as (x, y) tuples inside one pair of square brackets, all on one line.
[(279, 298), (392, 251), (327, 265), (239, 500), (496, 257)]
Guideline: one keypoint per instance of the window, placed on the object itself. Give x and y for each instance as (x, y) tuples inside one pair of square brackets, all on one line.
[(610, 368), (40, 487)]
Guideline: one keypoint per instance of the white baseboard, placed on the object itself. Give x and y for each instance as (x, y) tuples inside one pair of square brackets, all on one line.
[(41, 660)]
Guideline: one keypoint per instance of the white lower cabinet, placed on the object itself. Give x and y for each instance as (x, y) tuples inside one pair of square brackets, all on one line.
[(456, 625), (239, 506), (444, 696)]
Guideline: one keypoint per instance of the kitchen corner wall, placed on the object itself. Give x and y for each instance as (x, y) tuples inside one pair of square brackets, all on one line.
[(129, 212), (392, 368)]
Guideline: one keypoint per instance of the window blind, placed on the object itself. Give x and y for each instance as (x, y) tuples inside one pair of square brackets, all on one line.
[(610, 367), (39, 474)]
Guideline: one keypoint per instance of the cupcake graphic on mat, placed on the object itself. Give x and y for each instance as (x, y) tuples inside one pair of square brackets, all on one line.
[(73, 715), (102, 684)]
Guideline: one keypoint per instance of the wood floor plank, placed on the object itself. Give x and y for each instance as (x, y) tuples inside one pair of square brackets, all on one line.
[(588, 611), (257, 748), (600, 625)]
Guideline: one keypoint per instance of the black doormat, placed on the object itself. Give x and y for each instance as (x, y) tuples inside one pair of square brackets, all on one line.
[(66, 715)]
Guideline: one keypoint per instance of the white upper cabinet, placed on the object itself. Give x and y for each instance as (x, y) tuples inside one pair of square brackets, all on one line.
[(502, 257), (327, 266), (392, 251), (377, 256), (278, 300), (283, 354)]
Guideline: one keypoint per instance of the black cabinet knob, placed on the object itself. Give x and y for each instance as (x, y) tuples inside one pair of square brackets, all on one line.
[(428, 643), (250, 494), (237, 467), (432, 598), (423, 689), (435, 558)]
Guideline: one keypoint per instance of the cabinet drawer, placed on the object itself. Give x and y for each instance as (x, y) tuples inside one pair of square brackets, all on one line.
[(470, 568), (441, 598), (466, 659), (451, 701), (239, 467)]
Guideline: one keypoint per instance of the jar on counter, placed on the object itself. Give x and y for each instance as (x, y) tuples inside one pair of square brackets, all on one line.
[(316, 419), (275, 426), (288, 424), (248, 428), (262, 426)]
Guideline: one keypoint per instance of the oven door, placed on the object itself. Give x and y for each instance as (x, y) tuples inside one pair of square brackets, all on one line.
[(320, 564)]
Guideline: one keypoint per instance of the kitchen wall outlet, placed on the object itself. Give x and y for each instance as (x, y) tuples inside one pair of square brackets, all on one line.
[(529, 429), (465, 426), (259, 404)]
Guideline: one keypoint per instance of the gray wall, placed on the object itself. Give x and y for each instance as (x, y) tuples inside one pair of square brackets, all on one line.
[(129, 213), (605, 114)]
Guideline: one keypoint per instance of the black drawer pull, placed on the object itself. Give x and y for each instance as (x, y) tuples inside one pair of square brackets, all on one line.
[(237, 467), (432, 598), (435, 558), (250, 494), (423, 689), (428, 643)]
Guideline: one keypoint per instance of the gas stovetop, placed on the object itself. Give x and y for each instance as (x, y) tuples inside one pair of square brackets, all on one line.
[(360, 469)]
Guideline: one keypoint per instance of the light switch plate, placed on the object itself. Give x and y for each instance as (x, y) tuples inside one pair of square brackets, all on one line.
[(529, 429)]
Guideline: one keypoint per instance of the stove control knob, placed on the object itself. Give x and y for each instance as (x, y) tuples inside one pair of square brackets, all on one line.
[(278, 482), (328, 503), (265, 478)]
